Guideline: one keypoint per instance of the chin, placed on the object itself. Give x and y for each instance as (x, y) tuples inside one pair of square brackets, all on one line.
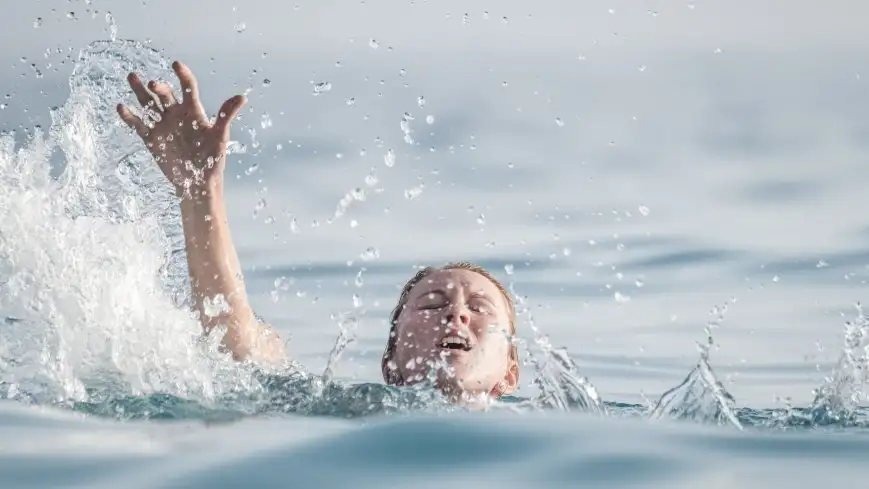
[(461, 385)]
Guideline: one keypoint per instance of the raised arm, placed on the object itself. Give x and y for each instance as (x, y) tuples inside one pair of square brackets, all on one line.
[(191, 151)]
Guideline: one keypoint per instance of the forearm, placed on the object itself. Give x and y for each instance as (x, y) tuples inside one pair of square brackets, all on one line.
[(215, 270)]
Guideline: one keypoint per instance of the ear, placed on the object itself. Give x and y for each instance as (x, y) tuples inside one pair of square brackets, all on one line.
[(510, 381)]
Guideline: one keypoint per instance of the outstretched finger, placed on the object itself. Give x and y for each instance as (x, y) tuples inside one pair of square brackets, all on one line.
[(132, 120), (163, 92), (228, 111), (144, 97), (189, 87)]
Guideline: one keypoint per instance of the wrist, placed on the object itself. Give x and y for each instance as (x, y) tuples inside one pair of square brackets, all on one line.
[(203, 193)]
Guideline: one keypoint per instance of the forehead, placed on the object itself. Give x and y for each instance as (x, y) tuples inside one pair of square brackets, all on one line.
[(469, 281)]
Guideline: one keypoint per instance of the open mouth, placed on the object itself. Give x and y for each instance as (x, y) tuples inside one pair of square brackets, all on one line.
[(455, 343)]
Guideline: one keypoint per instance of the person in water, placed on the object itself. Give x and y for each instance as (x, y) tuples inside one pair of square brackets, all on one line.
[(456, 321)]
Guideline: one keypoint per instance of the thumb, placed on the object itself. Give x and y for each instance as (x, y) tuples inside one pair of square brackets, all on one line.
[(228, 111)]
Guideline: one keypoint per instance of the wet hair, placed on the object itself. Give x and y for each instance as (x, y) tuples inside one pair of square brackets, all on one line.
[(391, 375)]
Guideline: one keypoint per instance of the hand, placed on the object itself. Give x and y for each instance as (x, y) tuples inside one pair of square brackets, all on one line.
[(188, 148)]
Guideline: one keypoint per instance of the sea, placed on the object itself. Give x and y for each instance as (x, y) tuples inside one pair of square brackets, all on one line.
[(673, 192)]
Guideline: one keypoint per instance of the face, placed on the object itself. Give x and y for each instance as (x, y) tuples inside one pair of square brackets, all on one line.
[(457, 322)]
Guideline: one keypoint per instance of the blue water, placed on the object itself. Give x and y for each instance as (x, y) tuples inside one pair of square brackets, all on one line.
[(680, 223)]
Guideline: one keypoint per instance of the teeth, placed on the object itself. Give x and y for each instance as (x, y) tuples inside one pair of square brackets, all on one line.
[(454, 340)]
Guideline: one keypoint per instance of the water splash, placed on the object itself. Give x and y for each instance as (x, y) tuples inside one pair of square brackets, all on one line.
[(91, 262), (556, 376), (347, 325), (843, 390), (701, 396)]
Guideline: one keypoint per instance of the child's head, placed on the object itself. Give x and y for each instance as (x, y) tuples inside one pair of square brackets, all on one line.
[(458, 315)]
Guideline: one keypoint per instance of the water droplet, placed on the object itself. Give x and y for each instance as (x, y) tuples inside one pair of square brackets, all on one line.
[(71, 15), (429, 119), (294, 226), (370, 253), (413, 192), (775, 278), (639, 283), (240, 27), (559, 122), (566, 252), (481, 220), (373, 43), (113, 27), (358, 281), (822, 264), (641, 68), (266, 121), (644, 210), (466, 19), (621, 298), (508, 268), (251, 169), (389, 158), (357, 301), (37, 23), (322, 87), (267, 83), (371, 179)]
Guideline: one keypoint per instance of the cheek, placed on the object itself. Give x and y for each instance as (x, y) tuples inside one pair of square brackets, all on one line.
[(496, 338), (418, 334)]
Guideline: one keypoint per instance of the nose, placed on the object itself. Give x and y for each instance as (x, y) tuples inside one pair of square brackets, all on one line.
[(458, 315)]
